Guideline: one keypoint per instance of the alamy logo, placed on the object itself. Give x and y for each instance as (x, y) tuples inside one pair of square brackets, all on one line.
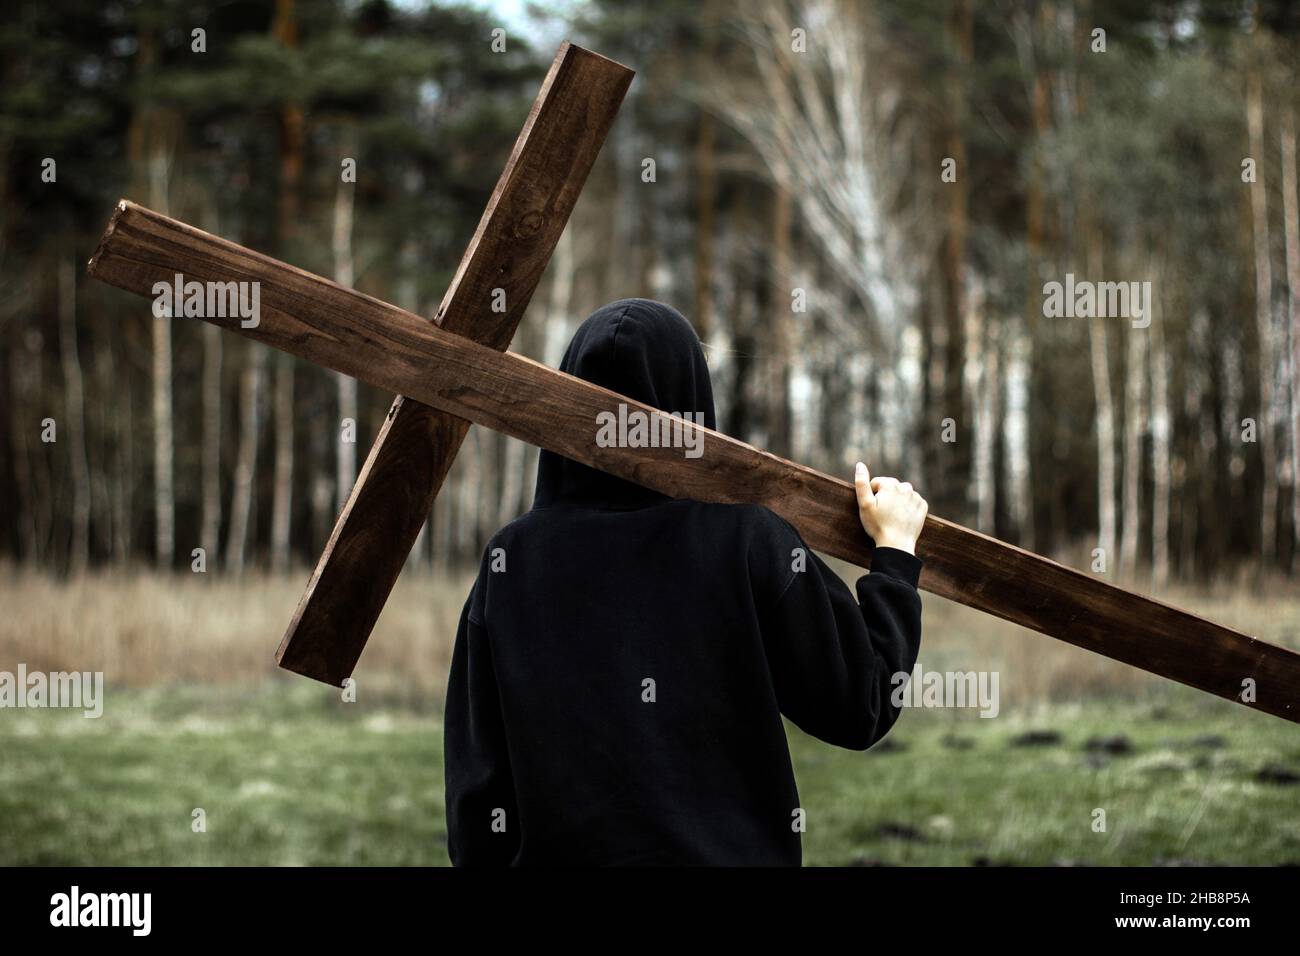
[(940, 689), (637, 429), (1084, 299), (209, 300), (75, 908), (75, 689)]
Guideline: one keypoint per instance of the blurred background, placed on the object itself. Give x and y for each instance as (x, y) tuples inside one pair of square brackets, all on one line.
[(857, 204)]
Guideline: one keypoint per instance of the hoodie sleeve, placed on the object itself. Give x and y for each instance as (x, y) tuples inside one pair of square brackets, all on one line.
[(833, 659), (482, 818)]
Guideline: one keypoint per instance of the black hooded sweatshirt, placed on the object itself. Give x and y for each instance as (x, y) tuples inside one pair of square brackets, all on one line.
[(624, 658)]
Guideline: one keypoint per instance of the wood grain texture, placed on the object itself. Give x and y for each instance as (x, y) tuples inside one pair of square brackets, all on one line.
[(378, 343), (411, 456)]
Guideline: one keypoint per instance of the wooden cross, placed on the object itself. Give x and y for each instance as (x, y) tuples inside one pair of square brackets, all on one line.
[(454, 371)]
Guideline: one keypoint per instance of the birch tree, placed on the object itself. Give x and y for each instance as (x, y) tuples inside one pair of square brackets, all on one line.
[(1291, 231), (75, 415), (1263, 310), (827, 120)]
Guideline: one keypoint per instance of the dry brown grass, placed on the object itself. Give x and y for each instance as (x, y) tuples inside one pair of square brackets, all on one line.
[(1035, 668), (142, 629)]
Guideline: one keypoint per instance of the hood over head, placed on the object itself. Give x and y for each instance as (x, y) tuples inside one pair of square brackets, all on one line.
[(642, 349)]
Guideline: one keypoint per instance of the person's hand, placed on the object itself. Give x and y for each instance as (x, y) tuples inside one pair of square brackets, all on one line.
[(890, 511)]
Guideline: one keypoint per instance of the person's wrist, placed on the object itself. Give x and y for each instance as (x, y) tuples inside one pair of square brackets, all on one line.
[(898, 542)]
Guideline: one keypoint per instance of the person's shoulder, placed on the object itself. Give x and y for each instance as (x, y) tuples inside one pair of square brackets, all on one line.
[(494, 555), (754, 526), (761, 523), (751, 520), (531, 518), (765, 541)]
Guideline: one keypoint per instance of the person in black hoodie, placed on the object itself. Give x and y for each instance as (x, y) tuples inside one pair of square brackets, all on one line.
[(624, 659)]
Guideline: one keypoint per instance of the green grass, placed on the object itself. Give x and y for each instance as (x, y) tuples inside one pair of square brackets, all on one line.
[(291, 775), (941, 791), (287, 777)]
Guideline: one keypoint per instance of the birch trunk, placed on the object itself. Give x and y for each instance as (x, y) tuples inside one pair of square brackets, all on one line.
[(956, 402), (345, 385), (1263, 317), (209, 535), (241, 505), (284, 28), (1134, 424), (1105, 438), (982, 374), (282, 501), (160, 159), (75, 410), (25, 427), (1161, 464), (1291, 228), (780, 320), (704, 214), (123, 457)]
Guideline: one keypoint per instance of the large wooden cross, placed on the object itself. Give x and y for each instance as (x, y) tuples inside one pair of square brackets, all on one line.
[(454, 371)]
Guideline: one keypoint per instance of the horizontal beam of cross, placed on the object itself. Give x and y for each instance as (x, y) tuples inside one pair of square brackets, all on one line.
[(412, 454), (378, 343)]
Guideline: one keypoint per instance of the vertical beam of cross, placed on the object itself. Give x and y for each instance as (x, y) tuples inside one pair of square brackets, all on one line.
[(416, 446)]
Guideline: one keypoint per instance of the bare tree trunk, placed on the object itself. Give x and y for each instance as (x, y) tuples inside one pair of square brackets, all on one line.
[(1103, 397), (211, 518), (346, 471), (322, 488), (74, 390), (444, 557), (123, 459), (1263, 316), (241, 505), (1161, 463), (408, 298), (44, 473), (99, 443), (346, 385), (561, 299), (164, 495), (1035, 234), (151, 140), (1017, 357), (956, 457), (467, 528), (1291, 229), (982, 375), (285, 29), (282, 500), (213, 348), (1105, 439), (828, 124), (512, 481), (704, 202), (1134, 420), (160, 159), (1200, 449), (780, 319), (23, 424)]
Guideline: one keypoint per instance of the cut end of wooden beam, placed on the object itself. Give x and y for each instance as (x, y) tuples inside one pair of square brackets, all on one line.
[(301, 658), (592, 53), (317, 667), (92, 265)]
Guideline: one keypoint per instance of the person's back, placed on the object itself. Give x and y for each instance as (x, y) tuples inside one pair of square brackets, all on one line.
[(624, 659)]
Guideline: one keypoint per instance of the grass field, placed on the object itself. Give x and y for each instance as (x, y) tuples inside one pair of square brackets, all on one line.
[(196, 716)]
